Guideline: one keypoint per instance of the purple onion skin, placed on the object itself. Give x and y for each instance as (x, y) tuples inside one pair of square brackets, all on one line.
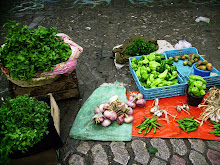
[(130, 112), (141, 103), (128, 119), (106, 123), (106, 106), (139, 96), (131, 104), (111, 115), (99, 120), (96, 110), (102, 108), (120, 119), (132, 98)]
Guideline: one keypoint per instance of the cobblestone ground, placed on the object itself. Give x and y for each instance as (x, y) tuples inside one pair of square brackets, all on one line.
[(100, 25)]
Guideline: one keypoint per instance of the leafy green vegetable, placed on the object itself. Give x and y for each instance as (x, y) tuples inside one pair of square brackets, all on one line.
[(140, 47), (27, 52), (23, 123), (152, 150)]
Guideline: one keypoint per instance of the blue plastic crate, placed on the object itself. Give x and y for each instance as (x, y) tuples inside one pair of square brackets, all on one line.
[(186, 71), (159, 92)]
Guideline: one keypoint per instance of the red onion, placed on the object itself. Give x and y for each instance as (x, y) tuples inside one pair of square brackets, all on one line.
[(121, 104), (99, 120), (139, 96), (96, 110), (102, 107), (111, 115), (113, 98), (106, 123), (128, 118), (130, 111), (132, 98), (120, 119), (106, 106), (131, 104), (141, 103)]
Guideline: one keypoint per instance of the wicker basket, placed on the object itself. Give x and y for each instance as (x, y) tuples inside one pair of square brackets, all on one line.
[(33, 82)]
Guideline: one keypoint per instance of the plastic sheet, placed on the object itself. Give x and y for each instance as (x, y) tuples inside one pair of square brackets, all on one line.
[(170, 130), (84, 128)]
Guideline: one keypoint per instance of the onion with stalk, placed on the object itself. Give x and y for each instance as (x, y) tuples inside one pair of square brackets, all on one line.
[(137, 98), (113, 110)]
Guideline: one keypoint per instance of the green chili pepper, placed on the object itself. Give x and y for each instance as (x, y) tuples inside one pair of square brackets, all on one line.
[(141, 129), (216, 127), (148, 124), (188, 124), (191, 129), (149, 129)]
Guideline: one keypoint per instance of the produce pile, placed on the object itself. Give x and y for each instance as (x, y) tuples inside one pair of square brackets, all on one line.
[(23, 123), (135, 46), (197, 85), (148, 124), (188, 124), (192, 58), (154, 71), (28, 52), (211, 106), (116, 110)]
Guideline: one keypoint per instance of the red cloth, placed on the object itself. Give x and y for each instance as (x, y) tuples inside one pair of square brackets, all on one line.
[(170, 130)]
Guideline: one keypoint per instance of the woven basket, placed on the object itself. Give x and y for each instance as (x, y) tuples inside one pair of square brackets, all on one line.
[(33, 82)]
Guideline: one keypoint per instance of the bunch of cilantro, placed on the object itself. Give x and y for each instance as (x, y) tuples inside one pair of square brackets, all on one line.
[(23, 123), (27, 52)]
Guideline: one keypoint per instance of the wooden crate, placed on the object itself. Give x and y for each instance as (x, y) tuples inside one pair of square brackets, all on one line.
[(63, 88)]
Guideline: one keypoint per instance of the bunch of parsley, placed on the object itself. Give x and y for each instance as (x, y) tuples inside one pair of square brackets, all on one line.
[(140, 47), (23, 123), (27, 52)]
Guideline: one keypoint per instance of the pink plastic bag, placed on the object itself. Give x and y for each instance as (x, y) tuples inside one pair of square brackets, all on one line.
[(67, 67)]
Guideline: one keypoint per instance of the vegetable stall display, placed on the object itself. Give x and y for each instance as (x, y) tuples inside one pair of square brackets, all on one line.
[(23, 124), (154, 71), (27, 53)]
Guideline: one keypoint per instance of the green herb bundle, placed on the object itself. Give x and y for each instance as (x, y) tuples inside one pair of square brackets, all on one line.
[(23, 123), (140, 47), (27, 52)]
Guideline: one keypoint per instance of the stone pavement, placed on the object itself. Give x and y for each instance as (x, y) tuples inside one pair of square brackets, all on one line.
[(100, 25)]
